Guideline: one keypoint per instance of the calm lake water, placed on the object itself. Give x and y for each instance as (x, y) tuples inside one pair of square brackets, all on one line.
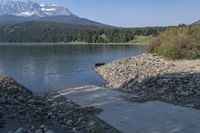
[(47, 68)]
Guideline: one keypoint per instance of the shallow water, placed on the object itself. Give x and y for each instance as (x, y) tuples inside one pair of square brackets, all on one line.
[(127, 117), (45, 68)]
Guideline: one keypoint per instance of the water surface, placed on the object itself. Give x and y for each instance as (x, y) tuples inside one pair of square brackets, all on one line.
[(44, 68)]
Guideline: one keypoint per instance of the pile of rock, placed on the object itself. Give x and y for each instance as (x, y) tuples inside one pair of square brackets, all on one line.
[(21, 112), (119, 72), (149, 77)]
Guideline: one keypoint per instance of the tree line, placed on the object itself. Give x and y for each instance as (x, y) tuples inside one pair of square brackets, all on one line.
[(58, 32)]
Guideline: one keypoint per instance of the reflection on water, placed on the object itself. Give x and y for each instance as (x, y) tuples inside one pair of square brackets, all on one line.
[(47, 68)]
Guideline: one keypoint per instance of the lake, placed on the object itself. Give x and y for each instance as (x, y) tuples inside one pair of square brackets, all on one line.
[(44, 68)]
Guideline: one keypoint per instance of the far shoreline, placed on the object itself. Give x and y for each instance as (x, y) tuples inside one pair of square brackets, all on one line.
[(60, 43)]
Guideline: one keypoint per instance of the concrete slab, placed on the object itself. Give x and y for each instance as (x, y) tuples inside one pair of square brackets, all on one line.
[(149, 117)]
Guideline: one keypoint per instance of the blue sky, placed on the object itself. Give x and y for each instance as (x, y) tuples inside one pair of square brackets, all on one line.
[(134, 13)]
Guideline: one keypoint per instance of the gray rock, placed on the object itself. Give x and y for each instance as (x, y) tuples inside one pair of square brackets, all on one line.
[(69, 122), (20, 130), (43, 127), (38, 131), (49, 131), (91, 123)]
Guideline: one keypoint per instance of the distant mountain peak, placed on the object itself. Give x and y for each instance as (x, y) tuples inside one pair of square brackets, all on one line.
[(29, 8), (18, 11)]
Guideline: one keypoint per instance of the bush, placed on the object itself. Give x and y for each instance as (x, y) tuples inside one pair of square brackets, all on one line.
[(181, 42)]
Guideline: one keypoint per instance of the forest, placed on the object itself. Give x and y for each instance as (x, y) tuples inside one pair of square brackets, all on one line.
[(52, 32)]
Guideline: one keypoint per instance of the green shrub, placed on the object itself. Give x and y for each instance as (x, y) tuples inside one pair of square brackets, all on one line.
[(181, 42), (1, 94)]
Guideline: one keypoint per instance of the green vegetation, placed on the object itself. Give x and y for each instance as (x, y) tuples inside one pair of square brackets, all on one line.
[(141, 40), (182, 42), (59, 32), (1, 94)]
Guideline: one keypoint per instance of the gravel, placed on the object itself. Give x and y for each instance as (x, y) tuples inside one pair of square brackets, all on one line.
[(148, 77)]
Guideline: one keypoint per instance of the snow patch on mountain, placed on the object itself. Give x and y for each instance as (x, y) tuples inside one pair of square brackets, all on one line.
[(25, 14), (48, 9)]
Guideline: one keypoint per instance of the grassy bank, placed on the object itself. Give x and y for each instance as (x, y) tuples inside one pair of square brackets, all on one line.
[(141, 40), (182, 42)]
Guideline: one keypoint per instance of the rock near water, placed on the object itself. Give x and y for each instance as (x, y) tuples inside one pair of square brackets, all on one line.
[(22, 112), (148, 77)]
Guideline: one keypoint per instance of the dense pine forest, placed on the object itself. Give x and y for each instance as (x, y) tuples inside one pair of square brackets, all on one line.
[(58, 32)]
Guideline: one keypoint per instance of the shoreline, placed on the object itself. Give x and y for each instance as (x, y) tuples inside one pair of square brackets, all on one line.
[(21, 112), (150, 78), (62, 44)]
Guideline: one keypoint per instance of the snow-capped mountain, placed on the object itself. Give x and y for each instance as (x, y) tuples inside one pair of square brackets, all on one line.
[(19, 11), (30, 8)]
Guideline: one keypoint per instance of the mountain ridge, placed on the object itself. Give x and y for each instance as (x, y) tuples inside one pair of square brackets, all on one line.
[(13, 12), (197, 22), (11, 19)]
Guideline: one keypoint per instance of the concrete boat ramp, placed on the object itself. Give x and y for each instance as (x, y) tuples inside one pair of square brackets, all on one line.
[(149, 117)]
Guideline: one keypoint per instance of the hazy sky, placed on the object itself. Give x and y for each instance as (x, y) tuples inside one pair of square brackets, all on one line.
[(134, 13)]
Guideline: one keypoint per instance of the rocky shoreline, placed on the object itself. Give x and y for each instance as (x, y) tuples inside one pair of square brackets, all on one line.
[(147, 77), (22, 112)]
